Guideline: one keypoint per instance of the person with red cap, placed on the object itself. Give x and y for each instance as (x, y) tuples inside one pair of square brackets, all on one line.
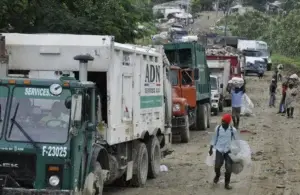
[(221, 141)]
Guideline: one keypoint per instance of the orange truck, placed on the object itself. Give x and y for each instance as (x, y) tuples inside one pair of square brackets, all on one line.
[(184, 101)]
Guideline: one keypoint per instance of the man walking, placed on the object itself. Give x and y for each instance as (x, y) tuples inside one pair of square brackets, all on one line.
[(272, 92), (236, 104), (221, 141)]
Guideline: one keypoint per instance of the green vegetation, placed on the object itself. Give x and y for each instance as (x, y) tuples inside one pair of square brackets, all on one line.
[(280, 31), (280, 59), (120, 18)]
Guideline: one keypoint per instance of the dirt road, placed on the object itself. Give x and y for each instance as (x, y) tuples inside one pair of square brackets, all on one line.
[(274, 141)]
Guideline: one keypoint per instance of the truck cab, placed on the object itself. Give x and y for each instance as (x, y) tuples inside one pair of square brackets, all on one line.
[(184, 101), (43, 126), (253, 61), (191, 55)]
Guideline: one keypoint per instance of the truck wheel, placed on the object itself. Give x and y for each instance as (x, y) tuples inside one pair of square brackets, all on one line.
[(208, 107), (228, 103), (201, 120), (185, 134), (154, 155), (216, 113), (221, 107), (140, 169), (93, 184)]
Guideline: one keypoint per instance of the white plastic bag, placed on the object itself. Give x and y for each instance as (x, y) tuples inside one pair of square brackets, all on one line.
[(237, 167), (247, 106), (245, 153), (240, 152), (210, 160), (234, 147)]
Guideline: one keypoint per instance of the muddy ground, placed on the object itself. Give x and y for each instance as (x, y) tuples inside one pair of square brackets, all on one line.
[(275, 144)]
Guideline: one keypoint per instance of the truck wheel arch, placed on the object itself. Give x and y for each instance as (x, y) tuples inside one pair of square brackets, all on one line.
[(100, 155), (146, 136)]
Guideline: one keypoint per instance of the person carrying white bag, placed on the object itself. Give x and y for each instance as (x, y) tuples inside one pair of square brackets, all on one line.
[(221, 141)]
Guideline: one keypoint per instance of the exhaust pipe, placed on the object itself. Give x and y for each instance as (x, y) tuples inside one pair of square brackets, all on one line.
[(83, 63), (3, 58)]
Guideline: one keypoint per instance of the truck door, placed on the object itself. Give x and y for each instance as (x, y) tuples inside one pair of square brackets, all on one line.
[(188, 87), (127, 97)]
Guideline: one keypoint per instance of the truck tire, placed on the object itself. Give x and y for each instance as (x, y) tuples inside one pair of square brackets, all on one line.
[(208, 107), (201, 117), (221, 106), (154, 155), (93, 184), (185, 133), (228, 103), (140, 166)]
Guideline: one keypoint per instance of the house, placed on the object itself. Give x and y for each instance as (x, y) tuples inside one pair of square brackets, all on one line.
[(274, 7), (240, 9)]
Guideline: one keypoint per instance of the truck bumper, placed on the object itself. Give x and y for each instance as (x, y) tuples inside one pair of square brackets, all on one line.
[(214, 106), (178, 122), (23, 191)]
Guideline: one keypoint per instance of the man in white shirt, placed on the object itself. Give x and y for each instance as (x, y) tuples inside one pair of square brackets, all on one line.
[(221, 141)]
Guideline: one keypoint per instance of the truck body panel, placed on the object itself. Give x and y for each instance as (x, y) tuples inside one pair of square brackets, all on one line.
[(134, 76), (235, 69)]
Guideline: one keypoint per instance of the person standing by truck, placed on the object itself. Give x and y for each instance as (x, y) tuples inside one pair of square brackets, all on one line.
[(237, 94), (221, 141)]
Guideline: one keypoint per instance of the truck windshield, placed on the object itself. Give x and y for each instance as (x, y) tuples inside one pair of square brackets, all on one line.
[(174, 77), (181, 57), (252, 53), (265, 53), (3, 102), (43, 117), (213, 83)]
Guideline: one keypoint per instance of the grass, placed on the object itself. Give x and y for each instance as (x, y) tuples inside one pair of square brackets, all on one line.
[(281, 59)]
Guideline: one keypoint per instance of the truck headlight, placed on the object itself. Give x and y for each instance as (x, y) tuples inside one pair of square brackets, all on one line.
[(54, 181), (176, 107)]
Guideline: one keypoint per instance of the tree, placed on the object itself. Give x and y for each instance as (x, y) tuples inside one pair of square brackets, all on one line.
[(281, 32), (114, 17)]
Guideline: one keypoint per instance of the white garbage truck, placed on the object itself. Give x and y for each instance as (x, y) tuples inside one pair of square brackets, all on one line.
[(113, 105), (219, 77)]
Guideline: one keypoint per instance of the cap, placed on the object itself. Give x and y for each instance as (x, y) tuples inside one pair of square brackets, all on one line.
[(226, 118)]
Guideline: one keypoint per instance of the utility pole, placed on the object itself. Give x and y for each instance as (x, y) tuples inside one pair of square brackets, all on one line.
[(226, 18)]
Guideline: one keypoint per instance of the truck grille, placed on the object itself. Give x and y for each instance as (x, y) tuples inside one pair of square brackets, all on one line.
[(178, 122), (19, 167)]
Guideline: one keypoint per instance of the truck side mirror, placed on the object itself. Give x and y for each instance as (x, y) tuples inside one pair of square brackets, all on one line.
[(76, 107), (196, 74), (221, 86)]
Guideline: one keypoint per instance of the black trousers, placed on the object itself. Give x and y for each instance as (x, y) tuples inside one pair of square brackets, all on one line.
[(220, 159)]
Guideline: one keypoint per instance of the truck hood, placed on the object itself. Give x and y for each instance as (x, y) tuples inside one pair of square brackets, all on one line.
[(253, 59)]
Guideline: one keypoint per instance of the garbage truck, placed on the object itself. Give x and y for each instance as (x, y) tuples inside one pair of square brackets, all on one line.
[(191, 56), (219, 77), (109, 121), (184, 101)]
